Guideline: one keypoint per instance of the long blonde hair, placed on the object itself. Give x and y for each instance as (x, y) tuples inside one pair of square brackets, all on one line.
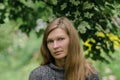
[(76, 66)]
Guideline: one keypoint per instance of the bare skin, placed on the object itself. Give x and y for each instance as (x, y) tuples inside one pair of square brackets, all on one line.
[(57, 43)]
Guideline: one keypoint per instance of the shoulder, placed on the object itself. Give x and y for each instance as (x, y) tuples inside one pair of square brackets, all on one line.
[(39, 72), (94, 77)]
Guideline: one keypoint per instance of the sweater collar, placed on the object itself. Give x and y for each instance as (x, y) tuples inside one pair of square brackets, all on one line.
[(56, 67)]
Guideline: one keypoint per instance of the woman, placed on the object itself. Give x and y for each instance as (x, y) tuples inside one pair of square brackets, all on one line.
[(63, 58)]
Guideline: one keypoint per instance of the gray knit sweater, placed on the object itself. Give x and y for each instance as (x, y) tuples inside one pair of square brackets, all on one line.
[(52, 72)]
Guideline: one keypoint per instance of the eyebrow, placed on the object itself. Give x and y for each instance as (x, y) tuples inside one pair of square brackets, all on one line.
[(56, 37)]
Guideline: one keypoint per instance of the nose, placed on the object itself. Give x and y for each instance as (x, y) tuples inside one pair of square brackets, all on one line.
[(55, 45)]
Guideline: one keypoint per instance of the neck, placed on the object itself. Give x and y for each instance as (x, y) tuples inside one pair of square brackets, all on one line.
[(60, 63)]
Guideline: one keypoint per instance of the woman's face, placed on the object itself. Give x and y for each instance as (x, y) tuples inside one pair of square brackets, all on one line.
[(57, 43)]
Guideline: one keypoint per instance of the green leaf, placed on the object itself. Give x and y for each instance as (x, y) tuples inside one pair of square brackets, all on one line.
[(75, 2), (88, 5), (88, 15), (83, 27), (63, 6), (2, 6)]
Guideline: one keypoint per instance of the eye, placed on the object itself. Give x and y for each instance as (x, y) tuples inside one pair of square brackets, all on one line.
[(61, 38), (49, 41)]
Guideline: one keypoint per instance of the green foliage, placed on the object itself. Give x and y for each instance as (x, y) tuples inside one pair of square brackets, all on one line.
[(25, 50), (90, 17), (27, 11), (6, 36), (20, 57), (19, 52), (108, 70)]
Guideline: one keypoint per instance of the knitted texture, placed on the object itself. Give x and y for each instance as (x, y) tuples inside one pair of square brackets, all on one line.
[(47, 72), (52, 72)]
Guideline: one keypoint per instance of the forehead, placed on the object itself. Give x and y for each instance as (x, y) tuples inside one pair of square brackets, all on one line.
[(57, 32)]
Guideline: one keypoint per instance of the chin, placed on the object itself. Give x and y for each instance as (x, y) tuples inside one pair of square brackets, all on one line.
[(59, 57)]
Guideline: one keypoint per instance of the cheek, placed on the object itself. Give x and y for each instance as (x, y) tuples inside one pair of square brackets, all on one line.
[(49, 48)]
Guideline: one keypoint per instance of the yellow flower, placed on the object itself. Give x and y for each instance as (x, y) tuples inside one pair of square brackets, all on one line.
[(115, 40), (89, 45)]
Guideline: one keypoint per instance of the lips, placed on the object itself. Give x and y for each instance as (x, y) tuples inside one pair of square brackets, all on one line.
[(57, 52)]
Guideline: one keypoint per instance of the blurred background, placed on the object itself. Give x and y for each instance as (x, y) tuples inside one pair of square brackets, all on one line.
[(22, 24)]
